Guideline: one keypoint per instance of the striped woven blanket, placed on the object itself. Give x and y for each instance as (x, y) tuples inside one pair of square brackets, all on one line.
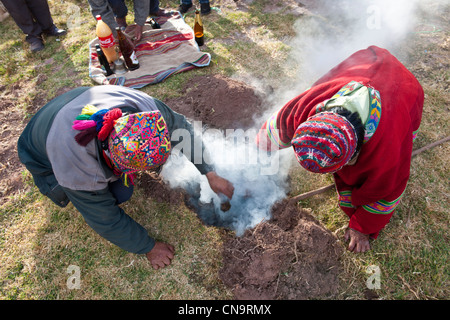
[(161, 53)]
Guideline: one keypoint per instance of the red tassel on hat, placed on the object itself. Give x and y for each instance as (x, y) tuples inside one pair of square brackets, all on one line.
[(108, 123)]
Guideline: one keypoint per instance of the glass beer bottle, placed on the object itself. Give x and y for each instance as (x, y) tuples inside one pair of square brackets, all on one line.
[(127, 49), (103, 60), (198, 28), (106, 39)]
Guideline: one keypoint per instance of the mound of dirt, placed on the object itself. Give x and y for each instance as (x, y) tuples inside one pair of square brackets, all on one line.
[(218, 102), (154, 187), (289, 257)]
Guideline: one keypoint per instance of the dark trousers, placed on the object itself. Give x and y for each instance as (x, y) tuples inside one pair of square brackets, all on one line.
[(31, 16), (154, 6), (119, 8), (120, 191)]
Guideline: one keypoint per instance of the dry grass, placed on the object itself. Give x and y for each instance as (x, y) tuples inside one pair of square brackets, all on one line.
[(39, 241)]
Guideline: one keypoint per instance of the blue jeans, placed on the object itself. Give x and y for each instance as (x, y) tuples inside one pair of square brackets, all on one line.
[(120, 191)]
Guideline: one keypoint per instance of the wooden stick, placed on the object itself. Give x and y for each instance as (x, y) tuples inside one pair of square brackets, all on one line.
[(431, 145), (312, 193), (331, 186)]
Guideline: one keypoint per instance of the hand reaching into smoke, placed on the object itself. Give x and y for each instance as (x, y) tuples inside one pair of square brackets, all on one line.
[(359, 242), (220, 185), (161, 255)]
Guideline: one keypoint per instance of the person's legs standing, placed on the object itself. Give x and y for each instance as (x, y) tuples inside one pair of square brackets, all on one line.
[(154, 7), (119, 8), (120, 11), (24, 18), (33, 18), (205, 8), (185, 6), (41, 13)]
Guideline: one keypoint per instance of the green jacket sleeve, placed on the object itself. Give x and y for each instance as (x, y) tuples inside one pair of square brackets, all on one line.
[(101, 213)]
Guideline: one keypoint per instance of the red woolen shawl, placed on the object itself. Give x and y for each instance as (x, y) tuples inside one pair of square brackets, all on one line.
[(383, 166)]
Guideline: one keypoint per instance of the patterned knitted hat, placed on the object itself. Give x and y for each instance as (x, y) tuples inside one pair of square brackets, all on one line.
[(325, 142), (139, 141)]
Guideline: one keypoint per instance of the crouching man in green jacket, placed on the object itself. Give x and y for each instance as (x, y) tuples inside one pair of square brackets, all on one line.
[(85, 147)]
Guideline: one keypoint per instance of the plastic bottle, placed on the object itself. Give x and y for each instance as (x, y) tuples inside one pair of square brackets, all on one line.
[(106, 39), (198, 28), (127, 49)]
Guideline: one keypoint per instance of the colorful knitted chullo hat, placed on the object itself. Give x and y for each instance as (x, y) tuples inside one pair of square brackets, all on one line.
[(325, 142), (139, 142), (136, 142)]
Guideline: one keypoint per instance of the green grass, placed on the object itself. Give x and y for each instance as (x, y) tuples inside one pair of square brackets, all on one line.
[(39, 241)]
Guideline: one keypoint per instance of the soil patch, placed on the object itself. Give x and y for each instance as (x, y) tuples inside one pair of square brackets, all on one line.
[(292, 256), (11, 100), (153, 186), (218, 102), (289, 257), (11, 126)]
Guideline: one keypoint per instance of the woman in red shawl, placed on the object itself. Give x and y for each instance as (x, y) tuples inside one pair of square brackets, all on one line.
[(358, 122)]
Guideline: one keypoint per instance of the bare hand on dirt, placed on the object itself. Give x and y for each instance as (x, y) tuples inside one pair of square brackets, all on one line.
[(220, 185), (359, 242), (161, 255)]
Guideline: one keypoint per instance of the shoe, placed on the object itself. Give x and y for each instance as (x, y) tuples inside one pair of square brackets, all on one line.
[(54, 31), (205, 8), (183, 8), (122, 22), (36, 44)]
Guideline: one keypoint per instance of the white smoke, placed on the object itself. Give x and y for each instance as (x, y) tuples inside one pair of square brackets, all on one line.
[(259, 179), (338, 29), (335, 29)]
